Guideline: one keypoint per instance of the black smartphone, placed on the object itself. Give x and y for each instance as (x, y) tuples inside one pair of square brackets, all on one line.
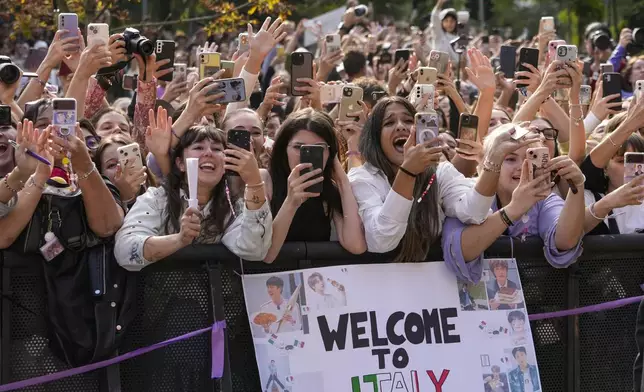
[(485, 39), (313, 154), (467, 127), (239, 138), (527, 56), (612, 83), (508, 60), (404, 54), (301, 67), (165, 50), (5, 116), (385, 58)]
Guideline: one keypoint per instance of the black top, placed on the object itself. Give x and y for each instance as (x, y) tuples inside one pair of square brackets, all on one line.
[(597, 183), (310, 222)]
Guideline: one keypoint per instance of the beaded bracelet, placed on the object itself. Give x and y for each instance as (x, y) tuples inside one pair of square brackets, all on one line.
[(5, 182)]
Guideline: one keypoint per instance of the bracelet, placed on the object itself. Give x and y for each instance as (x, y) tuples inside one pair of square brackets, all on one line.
[(410, 174), (261, 184), (89, 173), (5, 182), (583, 182), (610, 139), (491, 167), (174, 134), (255, 200), (352, 154), (592, 213), (505, 218), (31, 182)]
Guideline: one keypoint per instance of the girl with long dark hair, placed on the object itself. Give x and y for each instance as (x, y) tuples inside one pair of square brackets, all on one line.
[(305, 216), (160, 222)]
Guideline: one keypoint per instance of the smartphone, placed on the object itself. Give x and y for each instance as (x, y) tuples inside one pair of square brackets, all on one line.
[(64, 116), (439, 60), (417, 94), (313, 154), (333, 42), (349, 102), (427, 75), (244, 43), (229, 68), (404, 54), (180, 73), (633, 165), (538, 157), (235, 90), (130, 156), (5, 116), (547, 24), (585, 94), (377, 96), (508, 60), (426, 128), (301, 67), (209, 64), (372, 44), (331, 93), (69, 22), (612, 84), (606, 68), (129, 82), (385, 58), (552, 48), (639, 88), (467, 127), (164, 50), (98, 34), (567, 53), (528, 56), (239, 138)]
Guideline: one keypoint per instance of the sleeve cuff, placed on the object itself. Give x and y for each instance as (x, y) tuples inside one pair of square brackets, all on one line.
[(259, 215), (146, 92), (453, 253), (396, 208), (591, 122), (557, 258), (249, 81), (154, 166)]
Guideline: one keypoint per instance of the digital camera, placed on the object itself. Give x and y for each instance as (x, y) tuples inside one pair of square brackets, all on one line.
[(135, 43), (9, 72)]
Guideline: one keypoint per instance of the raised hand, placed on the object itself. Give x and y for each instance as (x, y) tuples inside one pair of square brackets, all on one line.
[(209, 47), (60, 48), (92, 59), (396, 75), (266, 38), (243, 162), (272, 97), (629, 194), (31, 139), (419, 157), (567, 169), (505, 143), (529, 191), (533, 78), (298, 183), (117, 48), (351, 129), (158, 135), (553, 78), (129, 180), (481, 72), (174, 90), (151, 67), (601, 106)]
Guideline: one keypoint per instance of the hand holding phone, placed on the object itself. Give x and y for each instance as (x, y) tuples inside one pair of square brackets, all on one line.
[(241, 139), (313, 154), (467, 129)]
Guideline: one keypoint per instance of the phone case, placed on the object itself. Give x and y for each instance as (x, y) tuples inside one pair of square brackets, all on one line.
[(5, 116), (64, 116), (180, 72), (528, 56), (468, 127), (606, 68), (331, 93), (639, 88), (244, 43), (229, 68), (235, 90), (417, 94), (68, 22), (427, 75), (209, 64), (633, 165), (333, 43), (349, 102), (301, 67), (552, 48), (547, 23), (404, 54), (426, 127), (165, 50), (315, 155), (508, 61), (585, 94), (239, 138), (130, 156), (612, 84), (538, 157), (98, 34), (439, 60)]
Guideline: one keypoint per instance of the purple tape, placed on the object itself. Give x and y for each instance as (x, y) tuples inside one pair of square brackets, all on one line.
[(217, 367), (587, 309)]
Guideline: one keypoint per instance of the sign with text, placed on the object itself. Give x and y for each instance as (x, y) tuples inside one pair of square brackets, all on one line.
[(391, 327)]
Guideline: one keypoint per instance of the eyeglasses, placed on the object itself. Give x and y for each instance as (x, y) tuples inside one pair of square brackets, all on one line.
[(298, 146), (548, 133)]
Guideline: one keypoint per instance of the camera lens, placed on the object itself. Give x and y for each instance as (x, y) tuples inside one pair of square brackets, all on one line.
[(9, 73), (329, 39), (298, 59), (638, 36), (601, 41), (145, 47)]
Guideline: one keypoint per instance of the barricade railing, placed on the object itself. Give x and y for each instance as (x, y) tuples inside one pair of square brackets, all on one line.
[(201, 284)]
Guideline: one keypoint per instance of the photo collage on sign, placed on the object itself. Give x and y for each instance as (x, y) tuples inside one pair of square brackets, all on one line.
[(281, 308), (498, 298)]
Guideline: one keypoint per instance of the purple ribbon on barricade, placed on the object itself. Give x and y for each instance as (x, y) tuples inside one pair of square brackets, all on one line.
[(217, 359), (587, 309)]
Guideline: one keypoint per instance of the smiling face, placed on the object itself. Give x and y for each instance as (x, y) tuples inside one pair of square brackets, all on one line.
[(6, 150), (511, 170), (396, 126), (274, 292), (211, 161), (112, 123), (518, 325)]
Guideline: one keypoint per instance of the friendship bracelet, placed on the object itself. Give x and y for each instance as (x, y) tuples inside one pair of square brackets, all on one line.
[(505, 218), (592, 213), (86, 175), (5, 182), (407, 172), (174, 134), (352, 153), (261, 184), (491, 167)]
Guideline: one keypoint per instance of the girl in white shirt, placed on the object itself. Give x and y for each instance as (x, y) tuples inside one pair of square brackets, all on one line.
[(404, 194), (160, 222)]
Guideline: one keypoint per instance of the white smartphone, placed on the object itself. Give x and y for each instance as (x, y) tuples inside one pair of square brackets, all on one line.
[(244, 43), (98, 34), (333, 42), (567, 53), (639, 88), (180, 72), (331, 93), (130, 156), (585, 94), (417, 94), (547, 23)]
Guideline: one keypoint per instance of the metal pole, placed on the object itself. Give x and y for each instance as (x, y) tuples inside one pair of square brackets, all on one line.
[(482, 14), (144, 9)]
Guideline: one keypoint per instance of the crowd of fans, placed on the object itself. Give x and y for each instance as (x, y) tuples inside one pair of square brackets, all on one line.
[(381, 190)]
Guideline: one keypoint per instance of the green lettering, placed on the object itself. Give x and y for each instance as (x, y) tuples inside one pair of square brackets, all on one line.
[(372, 378)]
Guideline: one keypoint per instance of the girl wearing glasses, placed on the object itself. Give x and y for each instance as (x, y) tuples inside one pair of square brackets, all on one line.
[(306, 216)]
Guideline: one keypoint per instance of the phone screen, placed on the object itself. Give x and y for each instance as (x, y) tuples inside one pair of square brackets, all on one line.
[(633, 165)]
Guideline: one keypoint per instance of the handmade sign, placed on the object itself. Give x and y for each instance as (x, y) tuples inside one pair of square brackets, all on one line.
[(391, 327)]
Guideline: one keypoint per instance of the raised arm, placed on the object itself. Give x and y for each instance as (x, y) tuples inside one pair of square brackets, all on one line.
[(634, 120), (348, 223), (91, 60)]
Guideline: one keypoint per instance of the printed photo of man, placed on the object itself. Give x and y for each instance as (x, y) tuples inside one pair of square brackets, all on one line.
[(525, 378), (497, 382), (517, 320), (274, 379), (320, 300), (289, 318), (502, 293)]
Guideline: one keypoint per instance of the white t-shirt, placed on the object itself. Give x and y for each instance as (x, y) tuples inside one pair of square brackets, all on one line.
[(328, 301), (527, 381)]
